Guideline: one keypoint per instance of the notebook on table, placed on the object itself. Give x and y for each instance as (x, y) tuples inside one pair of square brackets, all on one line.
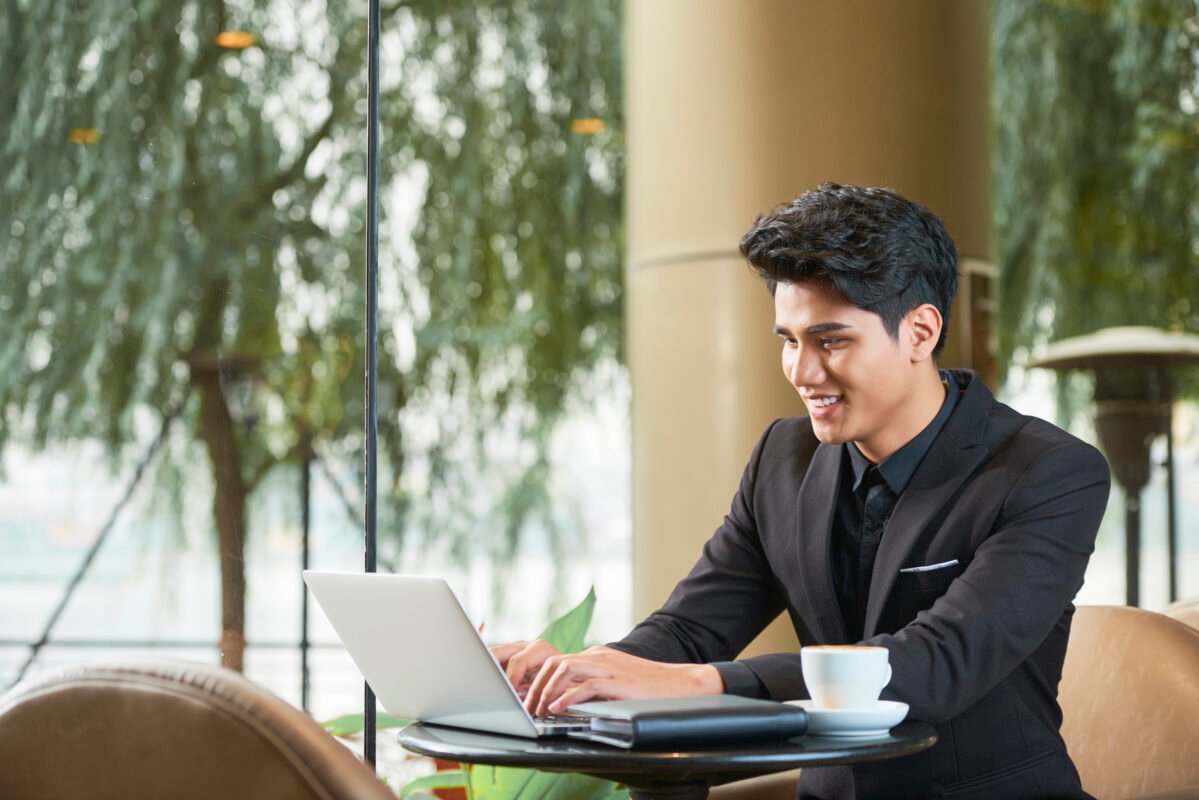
[(422, 657), (681, 721)]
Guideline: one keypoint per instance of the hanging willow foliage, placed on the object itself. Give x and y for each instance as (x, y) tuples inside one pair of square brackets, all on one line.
[(1095, 165), (183, 207)]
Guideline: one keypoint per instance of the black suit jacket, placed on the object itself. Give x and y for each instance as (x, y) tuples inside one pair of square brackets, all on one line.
[(976, 649)]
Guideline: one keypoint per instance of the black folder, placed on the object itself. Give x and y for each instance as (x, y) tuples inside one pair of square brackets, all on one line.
[(677, 721)]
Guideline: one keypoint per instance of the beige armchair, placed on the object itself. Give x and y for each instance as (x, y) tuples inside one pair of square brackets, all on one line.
[(1130, 700), (1185, 611), (160, 728)]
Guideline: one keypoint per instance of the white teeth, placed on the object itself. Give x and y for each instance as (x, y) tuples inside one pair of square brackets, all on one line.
[(821, 402)]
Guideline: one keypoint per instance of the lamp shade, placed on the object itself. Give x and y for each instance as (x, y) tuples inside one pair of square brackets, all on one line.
[(1139, 344)]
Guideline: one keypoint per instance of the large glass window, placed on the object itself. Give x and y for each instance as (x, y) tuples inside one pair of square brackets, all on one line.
[(182, 312), (1096, 201)]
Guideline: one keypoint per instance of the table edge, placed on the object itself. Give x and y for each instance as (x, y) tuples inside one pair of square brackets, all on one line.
[(748, 763)]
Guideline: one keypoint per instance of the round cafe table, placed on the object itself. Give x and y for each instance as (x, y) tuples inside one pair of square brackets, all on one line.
[(680, 774)]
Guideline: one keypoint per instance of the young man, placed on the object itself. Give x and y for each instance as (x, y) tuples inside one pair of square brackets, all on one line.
[(897, 466)]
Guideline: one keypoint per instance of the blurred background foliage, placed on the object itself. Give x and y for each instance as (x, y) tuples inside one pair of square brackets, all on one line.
[(182, 233), (183, 207), (1095, 141)]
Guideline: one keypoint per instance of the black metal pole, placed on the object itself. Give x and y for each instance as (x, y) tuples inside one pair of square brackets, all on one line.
[(305, 528), (1132, 548), (1171, 519), (372, 331)]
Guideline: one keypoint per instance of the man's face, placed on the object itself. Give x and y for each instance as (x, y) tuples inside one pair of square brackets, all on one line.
[(856, 381)]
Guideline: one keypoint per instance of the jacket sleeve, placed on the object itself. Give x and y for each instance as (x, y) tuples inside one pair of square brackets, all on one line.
[(729, 596)]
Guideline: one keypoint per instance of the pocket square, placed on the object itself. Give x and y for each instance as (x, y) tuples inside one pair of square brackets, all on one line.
[(930, 567)]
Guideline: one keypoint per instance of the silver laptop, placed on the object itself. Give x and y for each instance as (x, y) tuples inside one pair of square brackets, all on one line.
[(418, 651)]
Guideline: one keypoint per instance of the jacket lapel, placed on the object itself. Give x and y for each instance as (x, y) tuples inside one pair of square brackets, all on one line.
[(952, 459), (817, 500)]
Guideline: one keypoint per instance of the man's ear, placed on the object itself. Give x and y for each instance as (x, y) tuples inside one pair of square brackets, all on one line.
[(924, 329)]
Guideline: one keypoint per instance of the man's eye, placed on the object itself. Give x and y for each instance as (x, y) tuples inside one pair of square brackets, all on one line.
[(789, 342), (831, 342)]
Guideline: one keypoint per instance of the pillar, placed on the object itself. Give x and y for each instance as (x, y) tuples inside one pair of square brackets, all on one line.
[(734, 106)]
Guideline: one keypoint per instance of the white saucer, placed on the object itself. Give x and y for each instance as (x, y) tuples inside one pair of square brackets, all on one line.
[(876, 721)]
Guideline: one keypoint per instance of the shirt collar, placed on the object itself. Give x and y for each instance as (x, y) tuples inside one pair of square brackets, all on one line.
[(897, 470)]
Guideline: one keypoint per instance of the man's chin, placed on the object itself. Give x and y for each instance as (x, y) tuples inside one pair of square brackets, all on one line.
[(828, 435)]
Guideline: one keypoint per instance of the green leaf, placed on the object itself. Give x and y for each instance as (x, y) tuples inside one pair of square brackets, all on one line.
[(352, 724), (568, 632), (449, 779), (508, 783)]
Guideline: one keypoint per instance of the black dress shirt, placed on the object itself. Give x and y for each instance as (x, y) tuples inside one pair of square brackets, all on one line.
[(856, 535), (867, 497)]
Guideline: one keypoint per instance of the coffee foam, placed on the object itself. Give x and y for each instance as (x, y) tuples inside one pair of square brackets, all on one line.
[(851, 647)]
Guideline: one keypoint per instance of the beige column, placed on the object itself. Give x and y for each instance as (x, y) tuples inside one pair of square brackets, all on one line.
[(734, 106)]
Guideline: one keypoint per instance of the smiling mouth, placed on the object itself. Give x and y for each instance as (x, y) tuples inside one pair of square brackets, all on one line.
[(824, 402)]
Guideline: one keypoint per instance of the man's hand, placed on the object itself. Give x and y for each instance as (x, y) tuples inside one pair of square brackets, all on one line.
[(521, 662), (601, 673)]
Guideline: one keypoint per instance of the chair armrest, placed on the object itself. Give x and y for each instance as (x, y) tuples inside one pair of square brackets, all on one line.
[(1186, 793), (776, 786)]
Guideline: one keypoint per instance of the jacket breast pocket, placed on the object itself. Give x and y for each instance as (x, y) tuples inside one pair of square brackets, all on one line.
[(929, 581)]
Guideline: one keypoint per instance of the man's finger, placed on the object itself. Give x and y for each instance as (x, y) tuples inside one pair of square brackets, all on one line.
[(590, 689), (503, 652), (533, 698), (524, 663), (556, 681), (515, 669), (569, 673)]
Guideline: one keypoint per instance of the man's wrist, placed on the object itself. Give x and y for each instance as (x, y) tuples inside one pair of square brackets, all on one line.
[(706, 679), (740, 680)]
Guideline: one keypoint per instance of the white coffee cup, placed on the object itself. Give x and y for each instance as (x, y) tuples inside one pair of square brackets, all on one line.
[(845, 676)]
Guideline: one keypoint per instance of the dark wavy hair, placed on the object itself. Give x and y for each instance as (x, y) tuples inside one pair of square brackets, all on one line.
[(883, 253)]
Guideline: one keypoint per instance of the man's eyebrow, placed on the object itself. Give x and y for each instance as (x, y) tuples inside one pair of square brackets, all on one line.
[(823, 327)]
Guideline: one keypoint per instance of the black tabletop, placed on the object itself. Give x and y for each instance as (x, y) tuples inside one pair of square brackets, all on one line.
[(709, 766)]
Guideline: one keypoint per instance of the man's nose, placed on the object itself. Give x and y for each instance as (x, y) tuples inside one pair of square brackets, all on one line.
[(805, 367)]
